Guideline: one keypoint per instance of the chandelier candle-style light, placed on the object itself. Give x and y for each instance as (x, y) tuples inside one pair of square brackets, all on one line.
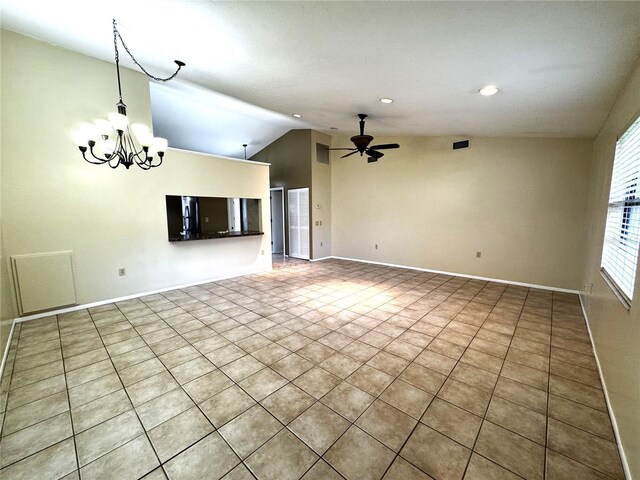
[(110, 141)]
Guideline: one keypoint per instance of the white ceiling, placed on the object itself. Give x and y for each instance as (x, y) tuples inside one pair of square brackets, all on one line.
[(194, 118), (559, 65)]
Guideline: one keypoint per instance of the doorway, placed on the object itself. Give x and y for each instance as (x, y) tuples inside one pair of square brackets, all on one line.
[(298, 209), (277, 220)]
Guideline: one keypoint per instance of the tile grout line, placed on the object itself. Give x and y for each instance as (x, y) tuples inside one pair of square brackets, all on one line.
[(10, 375), (130, 402), (242, 290), (484, 416), (397, 454), (458, 360), (64, 373), (547, 412), (37, 423), (365, 362), (234, 384), (321, 457), (285, 427), (162, 463)]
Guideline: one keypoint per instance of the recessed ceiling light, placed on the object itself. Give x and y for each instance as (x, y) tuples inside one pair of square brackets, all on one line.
[(297, 115), (489, 90), (386, 100)]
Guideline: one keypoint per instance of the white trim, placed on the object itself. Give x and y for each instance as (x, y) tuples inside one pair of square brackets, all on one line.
[(464, 275), (614, 424), (135, 295), (6, 348), (111, 300), (321, 258), (284, 235), (252, 162), (299, 191), (620, 295)]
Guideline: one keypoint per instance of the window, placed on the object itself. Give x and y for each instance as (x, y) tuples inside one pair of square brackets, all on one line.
[(622, 232)]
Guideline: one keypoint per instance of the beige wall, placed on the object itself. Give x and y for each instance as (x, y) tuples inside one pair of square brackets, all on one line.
[(293, 165), (320, 196), (615, 330), (52, 200), (290, 159), (521, 202), (7, 312)]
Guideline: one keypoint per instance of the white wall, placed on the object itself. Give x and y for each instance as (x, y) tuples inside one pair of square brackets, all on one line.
[(519, 201), (615, 330), (53, 200)]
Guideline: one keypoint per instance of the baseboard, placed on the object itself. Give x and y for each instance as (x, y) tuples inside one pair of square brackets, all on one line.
[(135, 295), (113, 300), (614, 423), (321, 258), (463, 275), (6, 348)]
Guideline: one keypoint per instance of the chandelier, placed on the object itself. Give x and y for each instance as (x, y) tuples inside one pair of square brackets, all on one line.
[(111, 141)]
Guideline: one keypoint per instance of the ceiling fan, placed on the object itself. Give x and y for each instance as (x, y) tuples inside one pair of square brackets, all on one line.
[(362, 142)]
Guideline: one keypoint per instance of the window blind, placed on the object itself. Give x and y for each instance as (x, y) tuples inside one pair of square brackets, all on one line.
[(622, 232)]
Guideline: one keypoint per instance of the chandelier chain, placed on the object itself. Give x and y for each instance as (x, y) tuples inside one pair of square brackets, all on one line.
[(93, 139), (116, 35)]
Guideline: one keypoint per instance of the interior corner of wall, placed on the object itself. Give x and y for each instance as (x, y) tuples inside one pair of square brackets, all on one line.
[(8, 307)]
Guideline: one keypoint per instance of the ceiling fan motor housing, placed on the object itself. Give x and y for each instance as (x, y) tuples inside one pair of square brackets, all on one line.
[(361, 142)]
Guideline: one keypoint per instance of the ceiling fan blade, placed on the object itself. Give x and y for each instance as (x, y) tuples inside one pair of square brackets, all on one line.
[(385, 146), (374, 153), (349, 154), (339, 149), (371, 160)]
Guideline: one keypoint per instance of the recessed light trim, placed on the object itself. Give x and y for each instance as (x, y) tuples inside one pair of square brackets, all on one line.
[(489, 90), (386, 100), (297, 115)]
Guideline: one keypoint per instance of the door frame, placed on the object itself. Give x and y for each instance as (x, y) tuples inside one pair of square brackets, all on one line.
[(284, 221)]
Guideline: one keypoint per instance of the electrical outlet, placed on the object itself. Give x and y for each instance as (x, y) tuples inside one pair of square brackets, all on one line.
[(262, 252), (206, 219), (317, 223), (320, 222), (478, 254), (122, 272)]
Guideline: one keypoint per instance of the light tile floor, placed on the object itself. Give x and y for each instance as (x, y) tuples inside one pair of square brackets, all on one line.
[(317, 371), (282, 261)]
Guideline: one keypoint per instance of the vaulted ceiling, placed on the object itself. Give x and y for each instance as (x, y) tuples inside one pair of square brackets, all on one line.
[(558, 65)]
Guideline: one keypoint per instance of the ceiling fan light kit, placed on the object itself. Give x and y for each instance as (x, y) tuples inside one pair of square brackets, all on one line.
[(362, 142), (96, 138)]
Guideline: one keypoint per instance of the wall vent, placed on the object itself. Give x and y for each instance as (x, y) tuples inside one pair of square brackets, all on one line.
[(322, 153), (461, 144)]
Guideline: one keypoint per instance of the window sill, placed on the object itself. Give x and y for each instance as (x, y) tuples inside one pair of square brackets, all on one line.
[(626, 302)]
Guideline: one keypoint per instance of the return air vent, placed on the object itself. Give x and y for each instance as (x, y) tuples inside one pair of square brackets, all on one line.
[(43, 281), (322, 153), (461, 144)]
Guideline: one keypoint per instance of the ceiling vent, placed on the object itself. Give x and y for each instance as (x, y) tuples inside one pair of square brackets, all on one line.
[(461, 144)]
